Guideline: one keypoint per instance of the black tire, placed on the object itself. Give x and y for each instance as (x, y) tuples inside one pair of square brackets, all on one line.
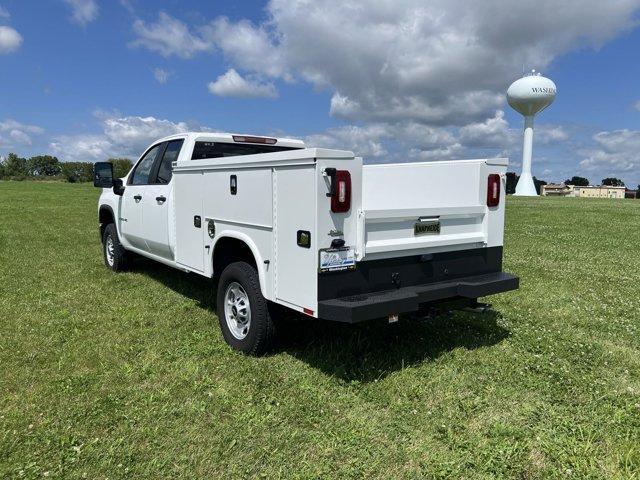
[(259, 333), (118, 260)]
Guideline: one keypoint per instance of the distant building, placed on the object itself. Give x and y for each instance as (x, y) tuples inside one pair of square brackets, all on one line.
[(599, 191), (630, 193), (557, 190)]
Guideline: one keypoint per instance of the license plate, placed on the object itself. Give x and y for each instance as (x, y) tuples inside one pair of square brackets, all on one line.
[(336, 259), (427, 227)]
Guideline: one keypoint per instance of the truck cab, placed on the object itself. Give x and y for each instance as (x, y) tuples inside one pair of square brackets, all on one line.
[(310, 229)]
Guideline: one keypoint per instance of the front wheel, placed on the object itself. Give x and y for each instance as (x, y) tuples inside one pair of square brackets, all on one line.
[(115, 256), (243, 312)]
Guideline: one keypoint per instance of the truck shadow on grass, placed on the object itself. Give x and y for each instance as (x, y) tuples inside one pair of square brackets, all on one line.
[(371, 351), (362, 352)]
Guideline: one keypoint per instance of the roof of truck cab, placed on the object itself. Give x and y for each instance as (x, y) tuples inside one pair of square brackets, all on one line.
[(287, 157), (228, 138)]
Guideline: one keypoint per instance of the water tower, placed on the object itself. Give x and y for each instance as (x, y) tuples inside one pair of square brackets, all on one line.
[(529, 95)]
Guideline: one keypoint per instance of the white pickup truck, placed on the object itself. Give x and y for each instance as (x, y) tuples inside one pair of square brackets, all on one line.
[(311, 229)]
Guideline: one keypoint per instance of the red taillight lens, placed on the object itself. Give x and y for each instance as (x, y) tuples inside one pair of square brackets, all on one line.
[(493, 190), (341, 198)]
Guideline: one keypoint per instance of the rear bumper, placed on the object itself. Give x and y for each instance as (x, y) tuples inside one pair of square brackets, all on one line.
[(358, 308)]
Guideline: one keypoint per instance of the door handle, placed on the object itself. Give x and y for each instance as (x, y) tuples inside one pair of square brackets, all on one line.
[(161, 199), (137, 198)]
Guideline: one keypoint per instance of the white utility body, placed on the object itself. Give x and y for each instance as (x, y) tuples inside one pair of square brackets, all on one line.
[(324, 234)]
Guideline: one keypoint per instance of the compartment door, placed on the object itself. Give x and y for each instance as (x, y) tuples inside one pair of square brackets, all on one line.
[(188, 190), (296, 280)]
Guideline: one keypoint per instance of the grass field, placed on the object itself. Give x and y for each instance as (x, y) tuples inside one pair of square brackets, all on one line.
[(127, 375)]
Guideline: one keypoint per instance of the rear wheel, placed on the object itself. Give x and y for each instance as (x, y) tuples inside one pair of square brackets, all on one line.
[(115, 256), (243, 312)]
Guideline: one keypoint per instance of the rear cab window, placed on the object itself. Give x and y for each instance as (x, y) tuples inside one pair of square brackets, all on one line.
[(203, 149)]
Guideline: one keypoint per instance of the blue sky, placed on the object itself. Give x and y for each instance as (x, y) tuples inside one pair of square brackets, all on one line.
[(392, 81)]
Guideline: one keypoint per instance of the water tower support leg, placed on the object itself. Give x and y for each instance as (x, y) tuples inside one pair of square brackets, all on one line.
[(525, 186)]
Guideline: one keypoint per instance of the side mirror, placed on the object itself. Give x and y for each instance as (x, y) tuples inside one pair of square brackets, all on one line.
[(103, 175), (118, 188), (103, 178)]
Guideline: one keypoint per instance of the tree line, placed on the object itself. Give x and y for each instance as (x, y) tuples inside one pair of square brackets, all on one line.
[(47, 167), (584, 182)]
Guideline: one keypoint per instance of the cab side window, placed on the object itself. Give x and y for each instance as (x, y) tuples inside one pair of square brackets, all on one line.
[(143, 169), (165, 169)]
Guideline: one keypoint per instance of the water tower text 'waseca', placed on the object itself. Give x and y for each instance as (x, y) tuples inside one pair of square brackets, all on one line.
[(529, 96)]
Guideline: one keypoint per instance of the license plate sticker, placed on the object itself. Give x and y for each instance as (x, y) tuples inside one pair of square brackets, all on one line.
[(336, 259), (427, 227)]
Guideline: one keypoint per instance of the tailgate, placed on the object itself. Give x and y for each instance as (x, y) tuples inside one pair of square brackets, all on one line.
[(416, 208)]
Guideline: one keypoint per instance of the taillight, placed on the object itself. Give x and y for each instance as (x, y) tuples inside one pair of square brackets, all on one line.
[(341, 195), (493, 190)]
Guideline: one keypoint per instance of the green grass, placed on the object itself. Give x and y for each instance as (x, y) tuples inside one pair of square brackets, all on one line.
[(127, 375)]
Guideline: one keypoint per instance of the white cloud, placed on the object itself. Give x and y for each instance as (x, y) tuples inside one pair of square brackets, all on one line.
[(247, 46), (549, 134), (390, 141), (10, 40), (409, 140), (83, 12), (492, 132), (11, 124), (17, 134), (615, 154), (442, 153), (169, 36), (365, 141), (161, 75), (135, 133), (82, 148), (495, 132), (121, 136), (20, 137), (128, 6), (437, 62), (232, 84)]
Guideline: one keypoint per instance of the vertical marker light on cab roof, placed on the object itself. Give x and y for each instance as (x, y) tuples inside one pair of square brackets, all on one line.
[(249, 139)]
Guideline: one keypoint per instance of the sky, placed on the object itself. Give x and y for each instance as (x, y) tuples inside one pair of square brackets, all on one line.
[(391, 80)]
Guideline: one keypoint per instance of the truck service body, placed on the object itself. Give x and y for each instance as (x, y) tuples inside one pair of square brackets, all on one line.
[(311, 229)]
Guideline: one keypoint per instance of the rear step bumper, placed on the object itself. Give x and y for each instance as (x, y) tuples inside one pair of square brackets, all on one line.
[(368, 306)]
